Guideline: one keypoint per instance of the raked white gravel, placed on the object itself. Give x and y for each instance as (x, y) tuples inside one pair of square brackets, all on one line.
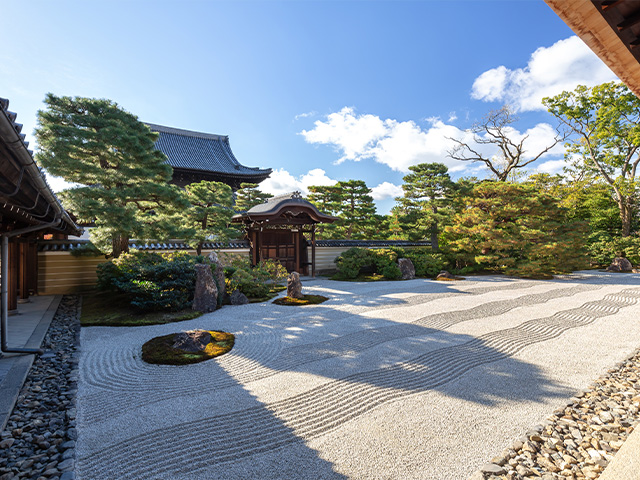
[(388, 380)]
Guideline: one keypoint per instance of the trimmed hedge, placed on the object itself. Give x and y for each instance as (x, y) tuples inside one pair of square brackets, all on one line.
[(356, 261), (152, 281)]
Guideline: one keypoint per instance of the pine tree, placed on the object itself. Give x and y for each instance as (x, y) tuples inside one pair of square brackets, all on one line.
[(427, 198), (210, 212), (123, 180), (249, 196), (517, 230)]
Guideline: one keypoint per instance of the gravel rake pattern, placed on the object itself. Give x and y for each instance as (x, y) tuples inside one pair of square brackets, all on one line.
[(120, 371), (199, 445)]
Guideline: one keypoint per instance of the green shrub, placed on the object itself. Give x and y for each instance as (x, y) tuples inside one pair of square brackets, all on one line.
[(350, 262), (152, 281), (603, 248), (253, 282), (392, 271), (355, 261)]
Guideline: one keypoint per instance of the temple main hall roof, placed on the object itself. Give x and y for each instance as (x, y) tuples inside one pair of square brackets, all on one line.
[(197, 156)]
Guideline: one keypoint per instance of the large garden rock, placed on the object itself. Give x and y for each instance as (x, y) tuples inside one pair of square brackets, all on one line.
[(238, 298), (192, 341), (407, 269), (294, 285), (218, 275), (620, 264), (205, 298)]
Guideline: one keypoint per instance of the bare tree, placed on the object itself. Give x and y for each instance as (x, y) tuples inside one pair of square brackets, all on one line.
[(495, 130)]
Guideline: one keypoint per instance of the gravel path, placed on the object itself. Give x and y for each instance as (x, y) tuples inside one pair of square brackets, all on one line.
[(415, 379)]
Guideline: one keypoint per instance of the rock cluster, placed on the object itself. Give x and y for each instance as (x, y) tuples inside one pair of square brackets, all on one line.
[(192, 341), (39, 439), (579, 440)]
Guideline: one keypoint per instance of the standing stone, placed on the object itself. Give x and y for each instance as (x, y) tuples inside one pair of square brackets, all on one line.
[(238, 298), (294, 285), (620, 264), (206, 297), (192, 341), (218, 275), (407, 269)]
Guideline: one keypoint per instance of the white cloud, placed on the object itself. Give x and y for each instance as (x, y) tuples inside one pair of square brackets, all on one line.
[(280, 181), (452, 117), (305, 115), (550, 71), (58, 184), (402, 144), (386, 190), (552, 166)]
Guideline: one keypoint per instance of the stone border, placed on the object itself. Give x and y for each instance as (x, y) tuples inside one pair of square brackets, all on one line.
[(579, 440), (39, 438)]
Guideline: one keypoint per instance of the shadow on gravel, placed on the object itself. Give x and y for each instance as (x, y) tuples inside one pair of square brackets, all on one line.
[(202, 440), (231, 425)]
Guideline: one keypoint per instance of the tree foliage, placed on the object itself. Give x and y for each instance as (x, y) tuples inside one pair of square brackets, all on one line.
[(249, 196), (210, 213), (352, 203), (428, 192), (122, 179), (515, 229), (604, 122)]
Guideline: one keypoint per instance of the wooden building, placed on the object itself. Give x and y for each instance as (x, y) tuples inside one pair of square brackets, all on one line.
[(276, 230), (197, 156), (28, 209)]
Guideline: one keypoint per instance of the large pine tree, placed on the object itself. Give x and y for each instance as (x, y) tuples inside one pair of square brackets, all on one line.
[(122, 179), (515, 229), (428, 191)]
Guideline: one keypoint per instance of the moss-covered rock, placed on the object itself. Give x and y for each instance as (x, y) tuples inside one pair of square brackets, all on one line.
[(160, 350), (305, 300)]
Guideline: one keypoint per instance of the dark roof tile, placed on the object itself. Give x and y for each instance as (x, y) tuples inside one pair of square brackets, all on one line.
[(201, 151)]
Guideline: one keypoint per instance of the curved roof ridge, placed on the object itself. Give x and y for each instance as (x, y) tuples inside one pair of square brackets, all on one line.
[(187, 133)]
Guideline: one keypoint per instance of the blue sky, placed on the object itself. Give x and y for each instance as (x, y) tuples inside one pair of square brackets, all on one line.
[(319, 91)]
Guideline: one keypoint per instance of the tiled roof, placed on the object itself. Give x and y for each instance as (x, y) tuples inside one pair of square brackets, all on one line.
[(274, 205), (202, 151), (371, 243), (271, 205), (68, 245), (27, 196)]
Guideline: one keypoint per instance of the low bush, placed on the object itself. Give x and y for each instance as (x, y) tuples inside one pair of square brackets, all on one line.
[(355, 261), (603, 248), (152, 281), (253, 282), (426, 262)]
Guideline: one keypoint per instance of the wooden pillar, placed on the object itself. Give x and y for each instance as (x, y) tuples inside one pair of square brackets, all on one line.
[(23, 271), (255, 248), (313, 250), (32, 268), (296, 241), (12, 290)]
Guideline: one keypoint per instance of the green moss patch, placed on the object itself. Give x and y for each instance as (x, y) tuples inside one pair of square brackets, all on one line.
[(305, 300), (160, 351), (112, 309)]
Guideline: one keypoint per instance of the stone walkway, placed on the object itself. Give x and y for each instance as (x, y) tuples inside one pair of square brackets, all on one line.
[(415, 379)]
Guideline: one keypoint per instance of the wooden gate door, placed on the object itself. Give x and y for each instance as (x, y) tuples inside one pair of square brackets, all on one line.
[(279, 245)]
